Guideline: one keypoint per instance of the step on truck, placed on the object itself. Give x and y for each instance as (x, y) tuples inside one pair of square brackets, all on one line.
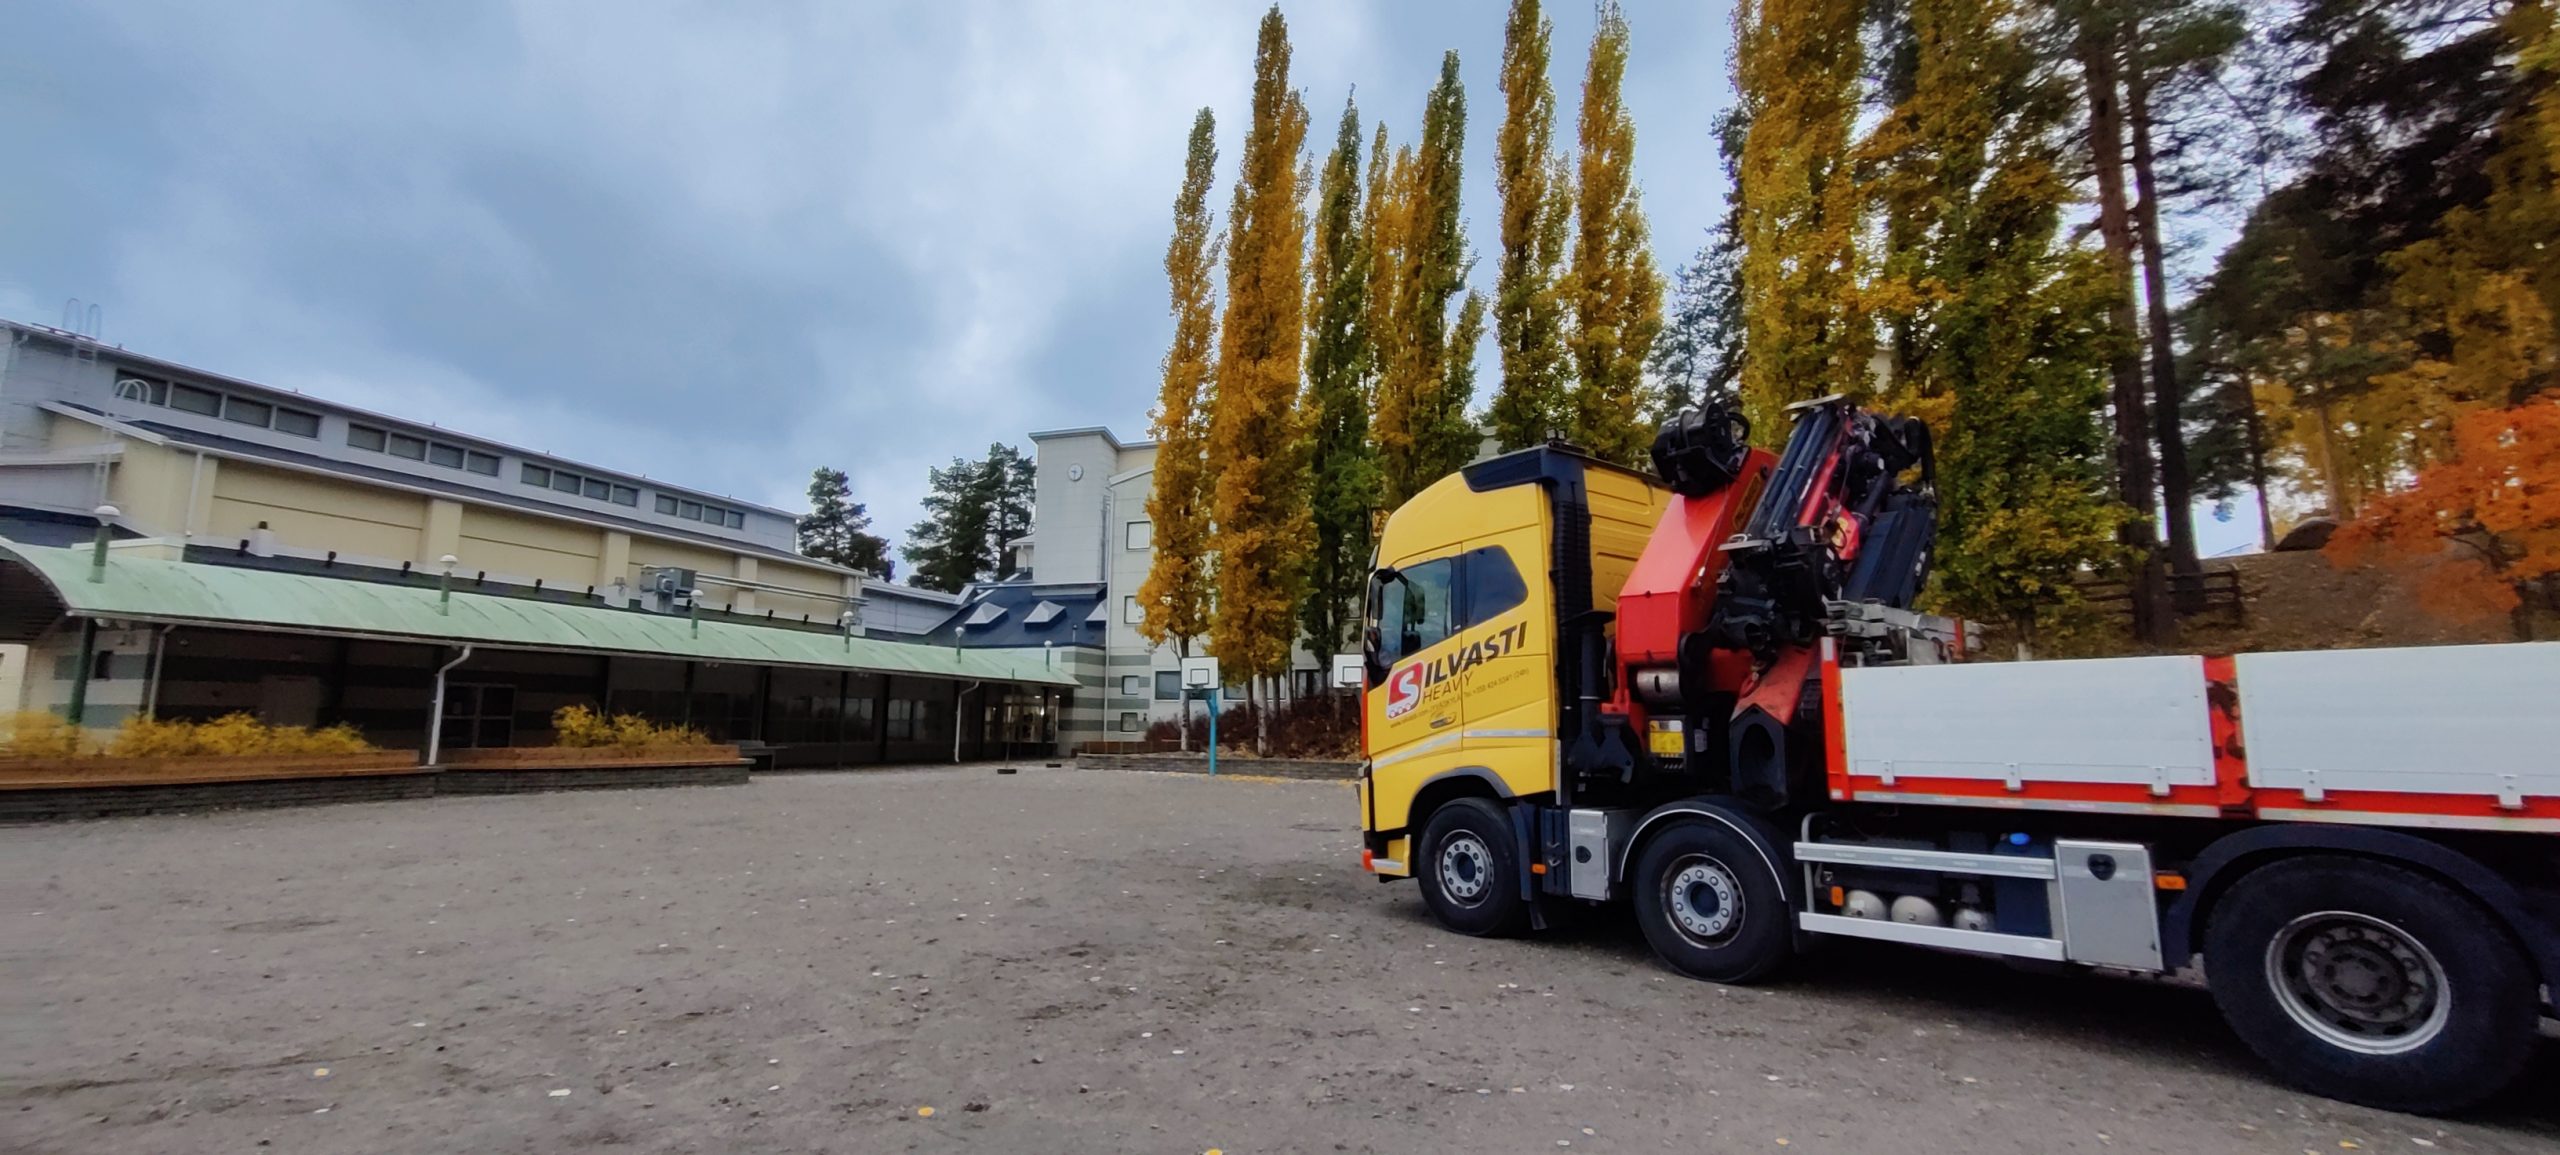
[(1705, 692)]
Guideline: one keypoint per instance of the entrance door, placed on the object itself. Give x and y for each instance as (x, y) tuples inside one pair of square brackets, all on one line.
[(289, 700)]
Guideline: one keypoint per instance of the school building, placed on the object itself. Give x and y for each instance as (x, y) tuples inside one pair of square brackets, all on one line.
[(191, 544)]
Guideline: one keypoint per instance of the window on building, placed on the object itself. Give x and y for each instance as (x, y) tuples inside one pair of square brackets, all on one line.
[(479, 715), (902, 720), (131, 388), (625, 495), (449, 456), (599, 489), (1130, 723), (247, 412), (666, 505), (366, 437), (736, 520), (1130, 612), (413, 448), (563, 481), (297, 422), (1141, 535), (1168, 685), (484, 464), (189, 399), (1133, 685), (536, 475)]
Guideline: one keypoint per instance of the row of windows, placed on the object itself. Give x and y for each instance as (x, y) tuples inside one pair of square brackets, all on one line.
[(696, 511), (247, 411), (578, 485), (213, 403), (416, 448)]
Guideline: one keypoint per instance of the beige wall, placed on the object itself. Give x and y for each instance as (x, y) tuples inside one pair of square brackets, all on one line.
[(524, 547), (315, 513), (311, 512), (150, 485)]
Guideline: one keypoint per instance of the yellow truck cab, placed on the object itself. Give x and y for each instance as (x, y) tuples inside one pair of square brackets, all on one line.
[(1465, 675)]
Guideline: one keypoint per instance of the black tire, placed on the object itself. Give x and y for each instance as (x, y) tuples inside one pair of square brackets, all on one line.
[(1710, 905), (1470, 869), (2371, 983)]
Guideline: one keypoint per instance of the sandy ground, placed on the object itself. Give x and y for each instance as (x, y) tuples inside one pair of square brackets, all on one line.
[(1057, 961)]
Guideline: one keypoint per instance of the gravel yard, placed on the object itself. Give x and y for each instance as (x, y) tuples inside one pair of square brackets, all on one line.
[(1055, 961)]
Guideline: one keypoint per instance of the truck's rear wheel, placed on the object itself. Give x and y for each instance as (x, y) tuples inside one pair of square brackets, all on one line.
[(1709, 905), (2366, 982), (1470, 869)]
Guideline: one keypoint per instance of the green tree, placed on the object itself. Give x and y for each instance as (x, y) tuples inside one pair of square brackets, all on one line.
[(973, 510), (838, 528), (1699, 351), (1175, 597), (1011, 489), (1419, 263), (1256, 449), (1616, 295), (1343, 465), (2001, 336), (954, 544), (1796, 70), (1528, 306)]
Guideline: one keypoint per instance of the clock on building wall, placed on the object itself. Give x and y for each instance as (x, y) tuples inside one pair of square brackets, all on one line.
[(1075, 473)]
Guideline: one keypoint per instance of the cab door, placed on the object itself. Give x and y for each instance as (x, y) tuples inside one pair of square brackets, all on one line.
[(1506, 672)]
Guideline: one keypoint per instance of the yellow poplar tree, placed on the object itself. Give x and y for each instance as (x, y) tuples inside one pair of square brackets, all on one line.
[(1256, 449), (1797, 66), (1529, 405), (1419, 261), (1175, 596), (1616, 295)]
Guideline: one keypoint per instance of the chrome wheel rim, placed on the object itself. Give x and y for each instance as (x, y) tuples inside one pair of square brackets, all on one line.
[(1705, 900), (1466, 868), (2358, 983)]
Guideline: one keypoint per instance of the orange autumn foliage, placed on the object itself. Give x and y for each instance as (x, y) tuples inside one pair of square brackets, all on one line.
[(2478, 524)]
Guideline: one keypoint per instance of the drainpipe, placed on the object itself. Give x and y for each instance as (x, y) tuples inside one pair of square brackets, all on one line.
[(435, 717), (957, 700), (151, 681)]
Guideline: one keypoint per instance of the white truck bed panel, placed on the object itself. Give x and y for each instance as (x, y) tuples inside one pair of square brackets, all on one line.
[(2482, 720), (2110, 720)]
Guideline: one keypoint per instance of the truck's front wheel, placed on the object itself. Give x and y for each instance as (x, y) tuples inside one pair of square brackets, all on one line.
[(1709, 905), (2370, 983), (1470, 869)]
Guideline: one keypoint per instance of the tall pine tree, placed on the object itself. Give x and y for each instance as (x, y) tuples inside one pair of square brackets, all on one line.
[(1700, 350), (1616, 295), (838, 528), (1343, 465), (1256, 450), (955, 543), (1175, 598), (1530, 404)]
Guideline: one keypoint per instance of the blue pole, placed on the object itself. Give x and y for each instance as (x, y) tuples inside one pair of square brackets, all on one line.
[(1213, 731)]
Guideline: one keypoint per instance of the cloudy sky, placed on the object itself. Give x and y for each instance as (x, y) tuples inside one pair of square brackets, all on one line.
[(720, 244)]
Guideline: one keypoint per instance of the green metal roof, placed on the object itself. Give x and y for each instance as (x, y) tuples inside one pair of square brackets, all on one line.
[(169, 591)]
